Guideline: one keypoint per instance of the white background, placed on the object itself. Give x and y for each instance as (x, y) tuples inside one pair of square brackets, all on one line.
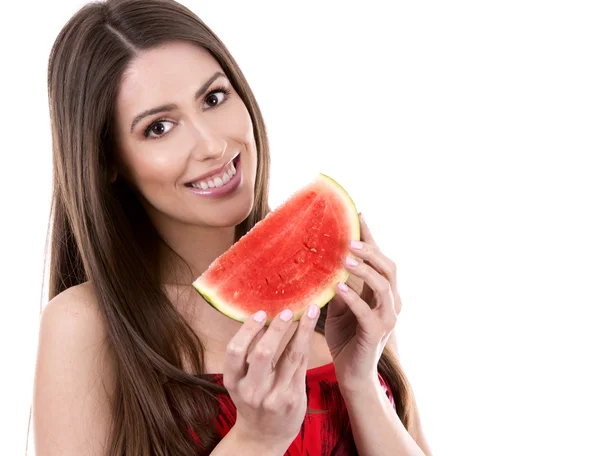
[(468, 134)]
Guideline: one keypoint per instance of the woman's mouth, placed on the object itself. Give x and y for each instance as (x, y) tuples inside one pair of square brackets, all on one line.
[(219, 184)]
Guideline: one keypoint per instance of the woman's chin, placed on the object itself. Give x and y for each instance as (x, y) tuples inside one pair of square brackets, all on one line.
[(231, 214)]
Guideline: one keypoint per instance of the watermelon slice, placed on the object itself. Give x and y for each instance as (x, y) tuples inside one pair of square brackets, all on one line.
[(292, 258)]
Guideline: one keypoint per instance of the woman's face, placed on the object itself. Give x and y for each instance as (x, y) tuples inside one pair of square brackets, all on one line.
[(186, 145)]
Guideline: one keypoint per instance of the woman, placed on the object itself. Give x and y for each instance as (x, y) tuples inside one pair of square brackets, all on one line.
[(145, 101)]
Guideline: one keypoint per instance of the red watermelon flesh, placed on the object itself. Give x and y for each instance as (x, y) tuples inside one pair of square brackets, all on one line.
[(292, 258)]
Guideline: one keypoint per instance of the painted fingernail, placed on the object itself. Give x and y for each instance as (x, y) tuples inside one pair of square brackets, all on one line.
[(313, 311), (351, 261), (356, 245), (342, 286), (286, 315), (260, 316)]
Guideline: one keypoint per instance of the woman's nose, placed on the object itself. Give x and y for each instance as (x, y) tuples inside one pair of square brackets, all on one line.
[(207, 144)]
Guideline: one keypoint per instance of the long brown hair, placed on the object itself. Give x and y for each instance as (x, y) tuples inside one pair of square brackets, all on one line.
[(99, 230)]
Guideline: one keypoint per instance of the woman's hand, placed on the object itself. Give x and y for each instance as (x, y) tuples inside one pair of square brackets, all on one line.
[(358, 325), (269, 393)]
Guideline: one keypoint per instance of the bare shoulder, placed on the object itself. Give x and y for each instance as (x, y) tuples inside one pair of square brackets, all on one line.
[(74, 300), (73, 321), (74, 376)]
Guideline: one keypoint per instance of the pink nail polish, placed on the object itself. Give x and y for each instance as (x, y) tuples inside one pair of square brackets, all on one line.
[(356, 245), (351, 261), (260, 316), (313, 311), (286, 315), (343, 286)]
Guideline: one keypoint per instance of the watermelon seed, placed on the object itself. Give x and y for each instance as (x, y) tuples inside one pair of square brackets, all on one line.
[(326, 235), (313, 250)]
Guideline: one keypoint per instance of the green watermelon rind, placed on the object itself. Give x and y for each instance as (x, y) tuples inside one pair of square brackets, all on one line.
[(211, 294)]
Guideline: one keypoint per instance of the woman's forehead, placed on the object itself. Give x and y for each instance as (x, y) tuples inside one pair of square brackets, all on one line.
[(162, 75)]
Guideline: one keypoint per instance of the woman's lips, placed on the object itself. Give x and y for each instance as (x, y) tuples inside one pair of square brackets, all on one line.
[(226, 188)]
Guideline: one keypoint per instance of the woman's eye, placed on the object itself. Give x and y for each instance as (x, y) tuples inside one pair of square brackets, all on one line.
[(213, 100), (157, 128)]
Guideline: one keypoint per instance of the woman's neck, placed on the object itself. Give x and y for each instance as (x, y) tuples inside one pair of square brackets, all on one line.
[(188, 251)]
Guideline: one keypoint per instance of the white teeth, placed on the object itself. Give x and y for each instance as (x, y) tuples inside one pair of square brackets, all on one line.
[(217, 181)]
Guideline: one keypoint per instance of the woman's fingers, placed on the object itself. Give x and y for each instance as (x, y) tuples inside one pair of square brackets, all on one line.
[(237, 349), (371, 254), (373, 322), (359, 308), (368, 250), (296, 353), (378, 283), (336, 307), (262, 358), (298, 380), (265, 411), (365, 232)]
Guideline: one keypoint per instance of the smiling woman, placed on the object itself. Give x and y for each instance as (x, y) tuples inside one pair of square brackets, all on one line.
[(178, 121), (164, 165)]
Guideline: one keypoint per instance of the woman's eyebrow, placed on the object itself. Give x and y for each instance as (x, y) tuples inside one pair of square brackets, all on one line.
[(171, 106)]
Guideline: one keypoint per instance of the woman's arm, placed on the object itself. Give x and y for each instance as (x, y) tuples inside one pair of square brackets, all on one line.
[(418, 431), (233, 443), (376, 428), (393, 346), (353, 342), (74, 378)]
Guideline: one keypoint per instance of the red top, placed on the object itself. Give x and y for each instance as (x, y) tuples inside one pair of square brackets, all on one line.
[(321, 434)]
